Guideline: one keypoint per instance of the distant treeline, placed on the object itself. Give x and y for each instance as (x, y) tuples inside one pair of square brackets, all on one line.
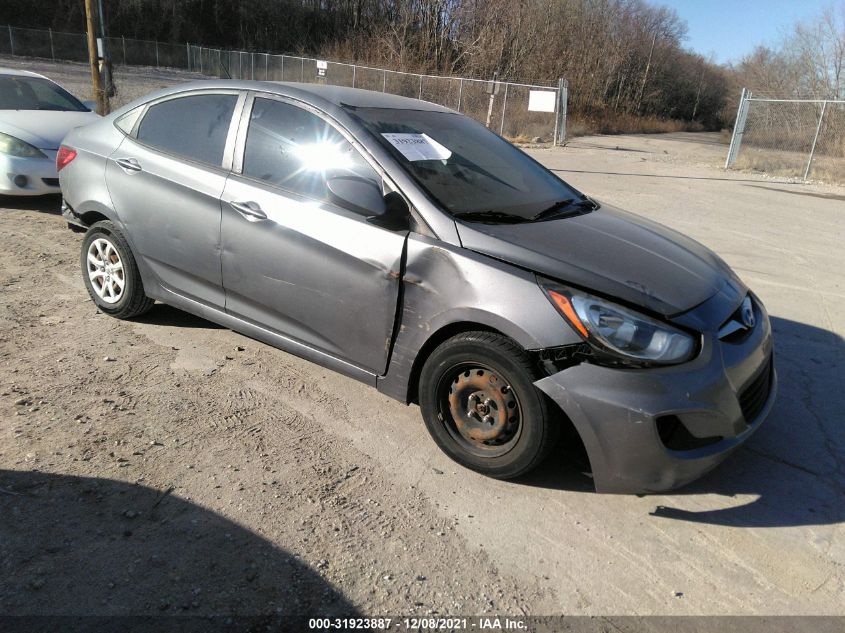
[(624, 59)]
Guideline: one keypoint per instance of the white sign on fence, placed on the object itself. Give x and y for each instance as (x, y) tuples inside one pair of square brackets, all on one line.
[(541, 101), (321, 68)]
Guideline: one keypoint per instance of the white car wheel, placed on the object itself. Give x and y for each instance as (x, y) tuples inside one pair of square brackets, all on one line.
[(105, 270)]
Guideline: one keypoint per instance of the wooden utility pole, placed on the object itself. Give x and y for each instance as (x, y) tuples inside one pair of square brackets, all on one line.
[(99, 94)]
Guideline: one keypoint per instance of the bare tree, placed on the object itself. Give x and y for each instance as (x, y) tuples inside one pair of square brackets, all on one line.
[(623, 59), (809, 62)]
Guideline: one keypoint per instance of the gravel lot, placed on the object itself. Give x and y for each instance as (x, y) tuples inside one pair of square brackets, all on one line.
[(166, 465), (131, 82)]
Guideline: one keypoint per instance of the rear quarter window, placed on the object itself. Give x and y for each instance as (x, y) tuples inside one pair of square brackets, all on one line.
[(193, 127), (127, 122)]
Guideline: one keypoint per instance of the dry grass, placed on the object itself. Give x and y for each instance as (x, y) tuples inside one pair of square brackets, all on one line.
[(772, 162), (520, 129), (627, 124), (522, 139), (829, 169)]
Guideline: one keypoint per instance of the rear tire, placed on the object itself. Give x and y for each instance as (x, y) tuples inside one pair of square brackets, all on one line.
[(481, 407), (111, 274)]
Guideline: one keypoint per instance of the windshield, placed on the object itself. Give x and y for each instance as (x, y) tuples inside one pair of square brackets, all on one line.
[(465, 167), (34, 93)]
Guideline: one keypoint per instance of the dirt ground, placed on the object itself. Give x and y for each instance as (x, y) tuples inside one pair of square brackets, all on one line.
[(166, 465)]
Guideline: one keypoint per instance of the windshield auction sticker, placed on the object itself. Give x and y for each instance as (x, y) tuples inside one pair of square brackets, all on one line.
[(416, 147)]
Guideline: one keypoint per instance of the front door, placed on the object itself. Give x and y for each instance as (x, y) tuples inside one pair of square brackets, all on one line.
[(293, 261)]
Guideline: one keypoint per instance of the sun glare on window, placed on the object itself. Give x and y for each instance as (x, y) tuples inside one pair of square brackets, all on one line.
[(323, 156)]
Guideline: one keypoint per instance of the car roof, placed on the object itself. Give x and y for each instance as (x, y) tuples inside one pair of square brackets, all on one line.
[(356, 97), (20, 73), (316, 94)]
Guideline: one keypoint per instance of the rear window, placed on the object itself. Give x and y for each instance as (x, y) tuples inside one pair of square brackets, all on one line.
[(195, 126)]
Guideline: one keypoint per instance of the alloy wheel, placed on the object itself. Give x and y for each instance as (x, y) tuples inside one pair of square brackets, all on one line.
[(105, 270)]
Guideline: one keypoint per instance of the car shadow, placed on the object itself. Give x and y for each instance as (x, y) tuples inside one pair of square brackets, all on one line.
[(163, 314), (51, 204), (793, 467), (611, 147), (810, 194), (85, 546), (702, 138), (566, 468)]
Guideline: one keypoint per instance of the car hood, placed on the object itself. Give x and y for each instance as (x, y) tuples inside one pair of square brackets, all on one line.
[(43, 129), (614, 253)]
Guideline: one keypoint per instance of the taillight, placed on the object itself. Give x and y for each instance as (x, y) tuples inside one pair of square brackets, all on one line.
[(64, 157)]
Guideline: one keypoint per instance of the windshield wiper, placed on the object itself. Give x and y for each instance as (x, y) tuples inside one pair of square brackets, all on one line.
[(570, 206), (564, 207), (494, 217)]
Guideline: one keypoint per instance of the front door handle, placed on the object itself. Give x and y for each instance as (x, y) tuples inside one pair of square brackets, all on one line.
[(128, 164), (250, 210)]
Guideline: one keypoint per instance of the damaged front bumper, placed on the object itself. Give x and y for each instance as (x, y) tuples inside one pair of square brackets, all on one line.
[(651, 430)]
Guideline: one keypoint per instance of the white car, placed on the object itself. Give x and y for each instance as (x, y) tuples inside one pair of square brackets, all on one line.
[(35, 115)]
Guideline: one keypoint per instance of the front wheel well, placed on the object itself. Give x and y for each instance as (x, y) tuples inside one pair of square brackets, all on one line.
[(546, 361), (441, 335), (571, 438)]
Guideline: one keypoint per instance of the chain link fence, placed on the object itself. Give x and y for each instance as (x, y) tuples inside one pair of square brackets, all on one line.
[(520, 112), (800, 138), (508, 108)]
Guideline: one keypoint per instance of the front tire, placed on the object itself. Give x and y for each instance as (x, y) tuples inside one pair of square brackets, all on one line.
[(481, 407), (111, 274)]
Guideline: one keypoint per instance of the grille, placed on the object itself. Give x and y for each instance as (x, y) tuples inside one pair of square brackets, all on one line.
[(753, 397), (51, 182)]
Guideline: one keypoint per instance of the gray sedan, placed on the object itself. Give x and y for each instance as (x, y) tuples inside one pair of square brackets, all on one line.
[(407, 246)]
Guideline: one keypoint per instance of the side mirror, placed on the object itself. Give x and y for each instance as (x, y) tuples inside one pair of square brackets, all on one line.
[(357, 194), (397, 215), (91, 105)]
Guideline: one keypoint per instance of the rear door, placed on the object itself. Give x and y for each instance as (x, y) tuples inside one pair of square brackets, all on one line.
[(293, 261), (165, 181)]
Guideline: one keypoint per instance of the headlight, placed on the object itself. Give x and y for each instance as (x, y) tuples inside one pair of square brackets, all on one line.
[(16, 147), (621, 332)]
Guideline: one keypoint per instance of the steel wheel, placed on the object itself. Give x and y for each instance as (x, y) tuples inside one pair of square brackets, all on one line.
[(480, 405), (105, 270), (479, 409)]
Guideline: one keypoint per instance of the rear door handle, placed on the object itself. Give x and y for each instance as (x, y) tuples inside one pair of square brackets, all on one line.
[(250, 210), (128, 164)]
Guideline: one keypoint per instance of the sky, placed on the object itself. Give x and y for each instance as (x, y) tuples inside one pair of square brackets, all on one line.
[(730, 29)]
